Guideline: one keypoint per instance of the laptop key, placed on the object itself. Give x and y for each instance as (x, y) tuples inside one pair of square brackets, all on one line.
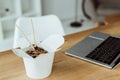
[(107, 51)]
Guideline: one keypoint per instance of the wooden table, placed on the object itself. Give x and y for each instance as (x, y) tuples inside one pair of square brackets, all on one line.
[(65, 67), (112, 18)]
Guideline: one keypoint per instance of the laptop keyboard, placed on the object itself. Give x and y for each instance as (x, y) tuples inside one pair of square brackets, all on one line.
[(107, 51)]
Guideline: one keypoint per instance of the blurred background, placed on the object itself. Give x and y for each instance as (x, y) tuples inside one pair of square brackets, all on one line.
[(75, 15)]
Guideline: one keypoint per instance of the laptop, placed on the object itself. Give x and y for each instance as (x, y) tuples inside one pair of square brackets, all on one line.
[(99, 48)]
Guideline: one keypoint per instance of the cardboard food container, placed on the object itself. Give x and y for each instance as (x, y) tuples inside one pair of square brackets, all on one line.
[(41, 66)]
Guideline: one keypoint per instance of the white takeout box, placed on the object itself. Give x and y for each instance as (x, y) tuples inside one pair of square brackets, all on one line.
[(41, 66)]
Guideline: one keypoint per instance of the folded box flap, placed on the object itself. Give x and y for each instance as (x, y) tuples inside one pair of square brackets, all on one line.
[(21, 53), (52, 42)]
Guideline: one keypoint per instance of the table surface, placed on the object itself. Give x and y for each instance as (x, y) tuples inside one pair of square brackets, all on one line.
[(112, 18), (64, 67)]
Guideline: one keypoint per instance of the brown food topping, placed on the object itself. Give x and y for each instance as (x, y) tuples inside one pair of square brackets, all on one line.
[(37, 51)]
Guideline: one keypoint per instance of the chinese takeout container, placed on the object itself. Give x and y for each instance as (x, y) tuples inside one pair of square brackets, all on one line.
[(41, 66)]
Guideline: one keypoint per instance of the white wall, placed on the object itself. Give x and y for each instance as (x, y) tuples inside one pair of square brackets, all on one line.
[(64, 9)]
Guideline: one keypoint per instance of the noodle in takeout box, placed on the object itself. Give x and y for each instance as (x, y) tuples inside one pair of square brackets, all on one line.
[(38, 57)]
